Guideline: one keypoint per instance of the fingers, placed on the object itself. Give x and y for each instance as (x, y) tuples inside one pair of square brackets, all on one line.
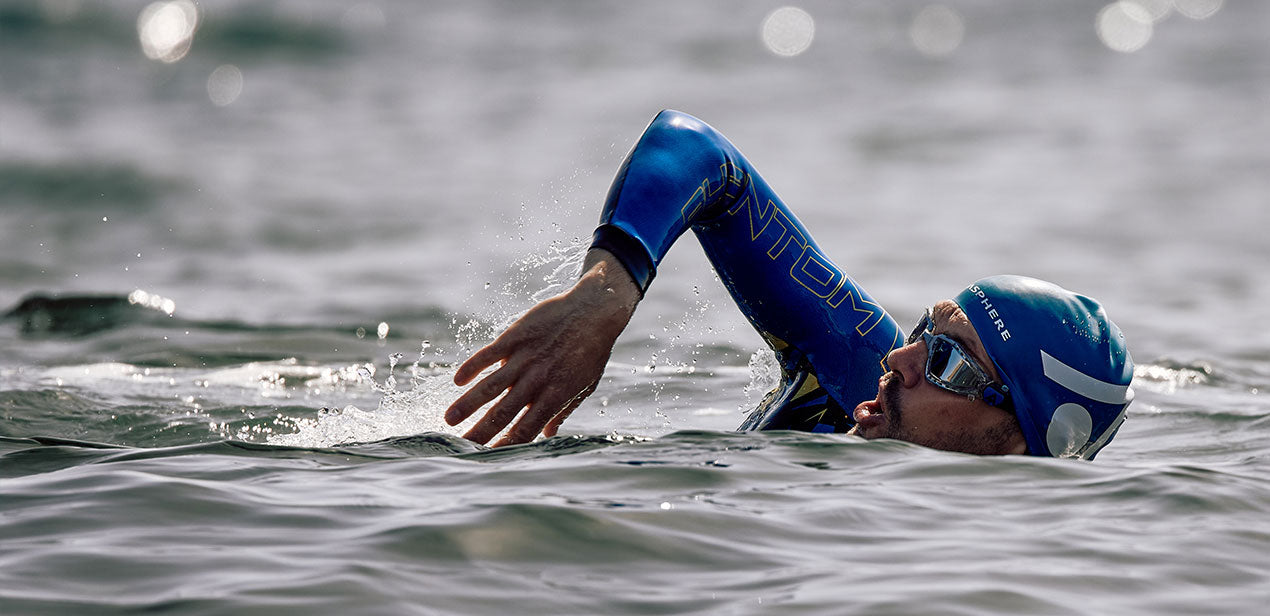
[(479, 361), (545, 415), (549, 355), (553, 426), (501, 414), (524, 431), (476, 397)]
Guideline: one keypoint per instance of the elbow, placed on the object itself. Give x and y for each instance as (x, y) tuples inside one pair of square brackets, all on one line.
[(685, 141)]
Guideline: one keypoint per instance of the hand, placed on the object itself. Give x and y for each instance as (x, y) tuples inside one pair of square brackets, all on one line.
[(552, 357)]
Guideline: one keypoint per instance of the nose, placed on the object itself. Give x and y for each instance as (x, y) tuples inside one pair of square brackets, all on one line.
[(909, 361)]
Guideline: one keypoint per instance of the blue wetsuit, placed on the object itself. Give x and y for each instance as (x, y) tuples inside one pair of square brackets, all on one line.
[(828, 334)]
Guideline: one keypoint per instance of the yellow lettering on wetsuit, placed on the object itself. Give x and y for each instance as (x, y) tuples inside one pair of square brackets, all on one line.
[(706, 195), (810, 269)]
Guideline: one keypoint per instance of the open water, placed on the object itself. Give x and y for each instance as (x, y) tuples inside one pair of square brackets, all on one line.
[(240, 264)]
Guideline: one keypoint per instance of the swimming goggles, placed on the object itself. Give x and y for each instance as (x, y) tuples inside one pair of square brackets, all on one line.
[(951, 368)]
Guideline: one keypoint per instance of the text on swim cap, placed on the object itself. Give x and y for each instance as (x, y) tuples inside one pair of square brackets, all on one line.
[(1002, 330)]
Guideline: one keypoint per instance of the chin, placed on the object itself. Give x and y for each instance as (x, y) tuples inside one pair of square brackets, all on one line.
[(873, 432)]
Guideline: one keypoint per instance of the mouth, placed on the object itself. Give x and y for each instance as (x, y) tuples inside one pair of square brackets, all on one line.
[(871, 414)]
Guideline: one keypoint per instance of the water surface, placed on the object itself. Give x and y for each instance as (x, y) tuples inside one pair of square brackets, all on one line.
[(232, 308)]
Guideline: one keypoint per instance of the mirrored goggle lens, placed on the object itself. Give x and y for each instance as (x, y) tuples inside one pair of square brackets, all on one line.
[(950, 367)]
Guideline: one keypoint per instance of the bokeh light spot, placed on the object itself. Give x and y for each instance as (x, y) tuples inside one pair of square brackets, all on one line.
[(153, 301), (1159, 10), (1198, 9), (937, 30), (166, 29), (1124, 26), (225, 84), (788, 31)]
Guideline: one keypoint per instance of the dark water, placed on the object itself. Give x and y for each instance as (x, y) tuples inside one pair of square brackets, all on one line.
[(236, 284)]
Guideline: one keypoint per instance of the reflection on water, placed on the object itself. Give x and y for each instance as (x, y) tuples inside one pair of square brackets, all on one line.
[(166, 29)]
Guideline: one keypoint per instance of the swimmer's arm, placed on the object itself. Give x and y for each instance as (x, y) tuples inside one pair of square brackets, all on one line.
[(683, 174), (552, 357)]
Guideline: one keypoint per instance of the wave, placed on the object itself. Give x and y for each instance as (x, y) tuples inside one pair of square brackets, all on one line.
[(699, 522), (52, 315), (23, 456)]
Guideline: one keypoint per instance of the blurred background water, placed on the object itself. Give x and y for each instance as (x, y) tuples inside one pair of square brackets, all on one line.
[(243, 245)]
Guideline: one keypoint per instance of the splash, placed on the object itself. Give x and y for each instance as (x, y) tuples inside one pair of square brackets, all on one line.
[(551, 273), (765, 375), (534, 277), (417, 406), (401, 412)]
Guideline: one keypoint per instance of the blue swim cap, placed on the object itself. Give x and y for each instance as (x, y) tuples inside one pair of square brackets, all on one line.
[(1064, 361)]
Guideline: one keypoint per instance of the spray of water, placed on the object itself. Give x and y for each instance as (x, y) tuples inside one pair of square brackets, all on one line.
[(416, 405), (765, 374), (401, 411)]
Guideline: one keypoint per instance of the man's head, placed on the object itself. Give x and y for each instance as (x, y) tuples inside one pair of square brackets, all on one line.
[(1060, 362)]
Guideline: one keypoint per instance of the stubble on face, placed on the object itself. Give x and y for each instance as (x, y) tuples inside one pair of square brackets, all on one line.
[(889, 396), (950, 436), (921, 414), (993, 440)]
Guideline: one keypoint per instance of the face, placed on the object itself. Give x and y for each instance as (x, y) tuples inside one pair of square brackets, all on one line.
[(910, 408)]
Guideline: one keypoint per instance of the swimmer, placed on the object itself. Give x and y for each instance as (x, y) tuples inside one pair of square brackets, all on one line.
[(1009, 365)]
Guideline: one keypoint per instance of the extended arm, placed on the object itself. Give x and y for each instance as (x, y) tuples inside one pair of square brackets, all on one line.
[(683, 174), (552, 357)]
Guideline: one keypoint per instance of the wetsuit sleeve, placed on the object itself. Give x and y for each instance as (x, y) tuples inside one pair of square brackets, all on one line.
[(682, 174)]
